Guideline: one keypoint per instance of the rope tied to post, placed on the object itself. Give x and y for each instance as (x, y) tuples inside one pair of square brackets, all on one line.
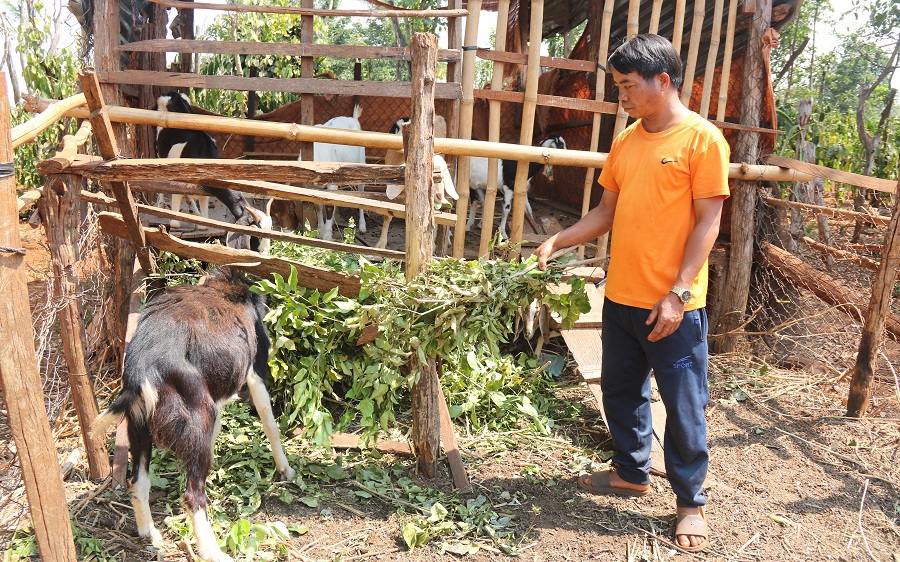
[(10, 250), (7, 169)]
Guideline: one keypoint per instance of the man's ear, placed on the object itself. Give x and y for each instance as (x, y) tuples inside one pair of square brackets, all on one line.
[(665, 81)]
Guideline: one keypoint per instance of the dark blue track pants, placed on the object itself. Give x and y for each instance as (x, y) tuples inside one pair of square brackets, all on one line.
[(679, 363)]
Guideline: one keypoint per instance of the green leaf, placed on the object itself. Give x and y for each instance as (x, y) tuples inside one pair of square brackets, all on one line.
[(309, 501)]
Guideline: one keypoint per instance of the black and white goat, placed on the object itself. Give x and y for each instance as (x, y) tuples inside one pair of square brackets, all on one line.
[(189, 143), (194, 348), (507, 179), (327, 152)]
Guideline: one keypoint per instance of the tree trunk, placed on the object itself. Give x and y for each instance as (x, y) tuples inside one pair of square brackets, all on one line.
[(743, 205)]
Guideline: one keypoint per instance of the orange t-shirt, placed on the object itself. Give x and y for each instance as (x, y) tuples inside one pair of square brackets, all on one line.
[(657, 177)]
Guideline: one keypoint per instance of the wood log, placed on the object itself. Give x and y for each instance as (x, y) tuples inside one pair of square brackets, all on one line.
[(20, 376), (30, 129), (199, 170), (61, 211), (830, 211), (418, 144), (802, 275), (350, 441), (27, 200), (252, 262), (68, 152), (859, 180), (252, 231), (877, 318), (842, 255)]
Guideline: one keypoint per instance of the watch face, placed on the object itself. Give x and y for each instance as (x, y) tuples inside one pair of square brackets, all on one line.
[(686, 297)]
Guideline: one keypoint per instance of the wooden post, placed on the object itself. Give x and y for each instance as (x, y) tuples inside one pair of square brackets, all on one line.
[(733, 303), (20, 377), (109, 149), (490, 192), (307, 70), (60, 209), (693, 50), (465, 126), (599, 95), (873, 330), (418, 145), (520, 191)]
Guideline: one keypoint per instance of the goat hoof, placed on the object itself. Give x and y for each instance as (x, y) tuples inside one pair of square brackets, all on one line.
[(155, 537), (214, 555), (288, 474)]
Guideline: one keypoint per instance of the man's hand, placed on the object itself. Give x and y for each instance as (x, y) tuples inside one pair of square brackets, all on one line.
[(667, 313), (544, 251)]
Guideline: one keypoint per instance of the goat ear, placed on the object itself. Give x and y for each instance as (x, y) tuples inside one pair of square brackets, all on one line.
[(393, 190)]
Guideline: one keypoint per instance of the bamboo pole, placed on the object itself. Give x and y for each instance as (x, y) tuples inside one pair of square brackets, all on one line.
[(467, 108), (654, 16), (520, 191), (726, 61), (876, 318), (693, 50), (30, 129), (599, 94), (711, 56), (634, 7), (678, 25), (418, 139), (454, 75), (830, 211), (61, 212), (20, 376), (490, 194)]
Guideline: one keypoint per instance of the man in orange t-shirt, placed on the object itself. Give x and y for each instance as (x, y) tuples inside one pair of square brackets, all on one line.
[(664, 183)]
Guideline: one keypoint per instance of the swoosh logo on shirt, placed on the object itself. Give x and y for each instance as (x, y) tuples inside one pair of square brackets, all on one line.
[(668, 160)]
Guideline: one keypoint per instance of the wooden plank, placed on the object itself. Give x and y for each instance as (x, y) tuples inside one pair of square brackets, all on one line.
[(451, 448), (350, 200), (20, 377), (109, 149), (350, 441), (280, 49), (253, 262), (547, 62), (588, 273), (297, 85), (658, 413), (223, 226), (245, 8), (198, 170), (859, 180), (580, 104)]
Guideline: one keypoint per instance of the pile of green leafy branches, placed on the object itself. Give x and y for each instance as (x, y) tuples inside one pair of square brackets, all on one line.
[(461, 312)]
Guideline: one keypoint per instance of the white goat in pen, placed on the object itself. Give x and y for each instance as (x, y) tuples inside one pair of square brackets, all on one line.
[(506, 178), (326, 152), (396, 158)]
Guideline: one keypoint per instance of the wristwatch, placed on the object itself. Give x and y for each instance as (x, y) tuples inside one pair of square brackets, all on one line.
[(683, 294)]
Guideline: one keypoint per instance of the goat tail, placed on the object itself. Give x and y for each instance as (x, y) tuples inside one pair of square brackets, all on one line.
[(357, 110), (138, 404)]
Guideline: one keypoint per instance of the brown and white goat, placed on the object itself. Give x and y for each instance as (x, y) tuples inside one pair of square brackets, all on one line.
[(194, 348)]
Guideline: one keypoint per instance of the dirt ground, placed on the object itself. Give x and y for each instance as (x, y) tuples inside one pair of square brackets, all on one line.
[(790, 479)]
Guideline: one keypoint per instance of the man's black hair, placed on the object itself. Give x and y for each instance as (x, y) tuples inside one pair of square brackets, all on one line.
[(649, 55)]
